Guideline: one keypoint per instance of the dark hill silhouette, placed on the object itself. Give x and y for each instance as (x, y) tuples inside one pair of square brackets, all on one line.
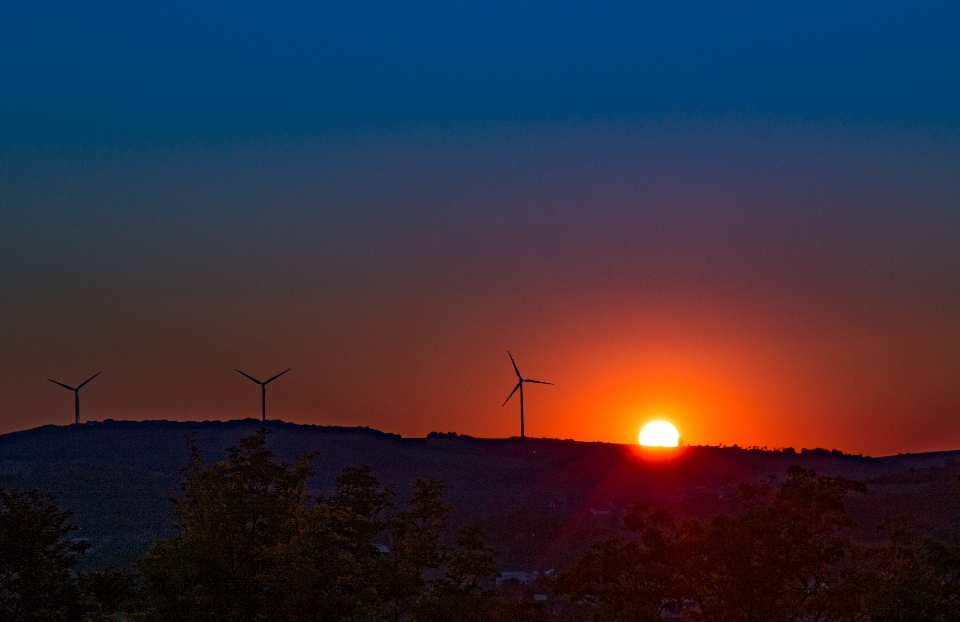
[(540, 500)]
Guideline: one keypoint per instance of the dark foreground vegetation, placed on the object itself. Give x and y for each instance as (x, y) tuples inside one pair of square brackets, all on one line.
[(539, 501), (251, 544)]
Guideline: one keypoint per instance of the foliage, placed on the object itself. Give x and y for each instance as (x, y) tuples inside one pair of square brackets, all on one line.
[(910, 578), (105, 592), (235, 518), (458, 595), (784, 558), (36, 558), (252, 546), (37, 580), (630, 579)]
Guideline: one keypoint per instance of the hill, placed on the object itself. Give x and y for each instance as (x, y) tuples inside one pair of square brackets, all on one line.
[(540, 500)]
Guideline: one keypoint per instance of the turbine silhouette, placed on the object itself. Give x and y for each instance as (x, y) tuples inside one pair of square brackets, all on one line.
[(263, 390), (520, 381), (76, 393)]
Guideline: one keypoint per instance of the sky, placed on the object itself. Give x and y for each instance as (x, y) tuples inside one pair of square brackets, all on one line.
[(741, 218)]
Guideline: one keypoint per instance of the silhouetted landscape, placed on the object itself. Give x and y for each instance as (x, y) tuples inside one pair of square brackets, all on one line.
[(252, 521), (540, 501), (721, 238)]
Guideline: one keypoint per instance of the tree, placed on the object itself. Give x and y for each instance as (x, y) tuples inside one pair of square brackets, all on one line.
[(235, 519), (252, 546), (628, 578), (910, 578), (104, 592), (416, 547), (785, 558), (334, 564), (458, 594), (36, 582)]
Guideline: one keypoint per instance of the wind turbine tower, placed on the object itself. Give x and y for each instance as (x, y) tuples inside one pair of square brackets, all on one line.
[(263, 390), (520, 381), (76, 394)]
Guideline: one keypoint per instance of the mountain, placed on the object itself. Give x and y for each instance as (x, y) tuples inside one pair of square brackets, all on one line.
[(540, 500)]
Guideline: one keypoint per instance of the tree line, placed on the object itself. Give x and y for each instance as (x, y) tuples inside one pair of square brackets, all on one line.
[(251, 545)]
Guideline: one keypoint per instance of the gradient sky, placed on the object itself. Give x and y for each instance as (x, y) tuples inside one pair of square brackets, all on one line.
[(744, 219)]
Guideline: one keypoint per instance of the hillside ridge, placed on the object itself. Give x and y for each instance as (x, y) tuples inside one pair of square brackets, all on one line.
[(539, 499)]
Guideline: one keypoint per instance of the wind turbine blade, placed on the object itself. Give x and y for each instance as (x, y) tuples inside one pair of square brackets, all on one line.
[(514, 365), (537, 381), (89, 379), (250, 377), (511, 393), (277, 376), (62, 385)]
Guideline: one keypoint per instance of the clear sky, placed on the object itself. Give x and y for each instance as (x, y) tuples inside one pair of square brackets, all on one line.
[(743, 218)]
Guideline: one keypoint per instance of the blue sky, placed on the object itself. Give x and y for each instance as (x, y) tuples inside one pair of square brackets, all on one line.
[(91, 72), (742, 218)]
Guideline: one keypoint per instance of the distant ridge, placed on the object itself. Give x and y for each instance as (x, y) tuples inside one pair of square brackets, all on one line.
[(540, 500), (216, 424), (199, 425)]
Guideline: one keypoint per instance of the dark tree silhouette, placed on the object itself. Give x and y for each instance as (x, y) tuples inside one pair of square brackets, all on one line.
[(786, 558), (416, 547), (251, 546), (333, 566), (630, 578), (105, 592), (236, 520), (458, 594), (36, 582), (910, 578)]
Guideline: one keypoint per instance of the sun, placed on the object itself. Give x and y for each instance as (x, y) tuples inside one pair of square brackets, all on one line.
[(659, 434)]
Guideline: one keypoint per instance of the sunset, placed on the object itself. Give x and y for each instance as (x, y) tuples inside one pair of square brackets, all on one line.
[(581, 287), (659, 434), (719, 249)]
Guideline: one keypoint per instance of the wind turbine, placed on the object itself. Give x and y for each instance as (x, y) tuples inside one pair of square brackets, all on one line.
[(263, 390), (76, 393), (520, 381)]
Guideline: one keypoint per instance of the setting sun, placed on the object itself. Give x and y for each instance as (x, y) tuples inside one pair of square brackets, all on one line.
[(659, 434)]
